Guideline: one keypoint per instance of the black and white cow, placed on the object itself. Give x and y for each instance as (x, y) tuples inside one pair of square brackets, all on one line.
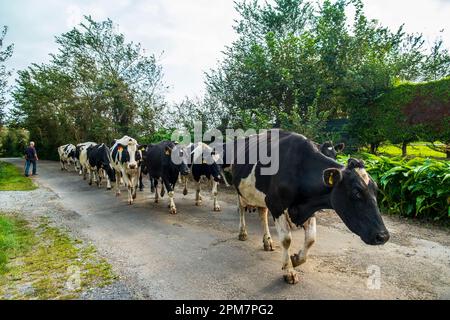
[(99, 165), (67, 156), (328, 149), (159, 164), (309, 226), (81, 157), (126, 158), (306, 182), (204, 164)]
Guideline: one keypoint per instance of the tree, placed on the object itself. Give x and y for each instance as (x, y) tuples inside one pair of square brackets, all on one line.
[(288, 50), (5, 53), (97, 87)]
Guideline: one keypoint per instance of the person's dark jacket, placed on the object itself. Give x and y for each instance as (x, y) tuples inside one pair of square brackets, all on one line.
[(30, 153)]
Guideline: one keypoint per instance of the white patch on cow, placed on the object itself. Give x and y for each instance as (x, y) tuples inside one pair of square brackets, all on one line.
[(250, 196), (363, 174)]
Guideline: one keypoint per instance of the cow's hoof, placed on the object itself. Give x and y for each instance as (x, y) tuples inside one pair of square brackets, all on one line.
[(130, 202), (156, 200), (198, 203), (173, 210), (291, 277), (152, 190), (90, 183), (243, 236), (185, 192), (268, 244), (297, 260), (134, 196), (117, 194), (216, 208), (108, 188), (141, 189)]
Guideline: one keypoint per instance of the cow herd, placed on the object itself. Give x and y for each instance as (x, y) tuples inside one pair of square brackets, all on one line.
[(308, 179)]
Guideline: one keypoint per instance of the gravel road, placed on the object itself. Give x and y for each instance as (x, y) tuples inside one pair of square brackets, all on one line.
[(196, 254)]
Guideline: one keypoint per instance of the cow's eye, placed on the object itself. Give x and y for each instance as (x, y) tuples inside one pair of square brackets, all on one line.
[(357, 194)]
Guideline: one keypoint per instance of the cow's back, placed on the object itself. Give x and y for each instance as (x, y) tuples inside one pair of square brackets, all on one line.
[(299, 164)]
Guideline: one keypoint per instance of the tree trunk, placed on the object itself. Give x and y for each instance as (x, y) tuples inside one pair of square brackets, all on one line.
[(404, 145)]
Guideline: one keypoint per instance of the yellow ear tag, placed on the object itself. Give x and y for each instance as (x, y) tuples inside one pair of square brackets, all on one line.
[(330, 179), (142, 149), (167, 152), (203, 161)]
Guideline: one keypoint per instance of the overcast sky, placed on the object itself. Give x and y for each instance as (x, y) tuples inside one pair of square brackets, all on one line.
[(189, 33)]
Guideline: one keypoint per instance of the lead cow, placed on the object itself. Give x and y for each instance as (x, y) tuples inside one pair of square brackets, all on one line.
[(306, 182)]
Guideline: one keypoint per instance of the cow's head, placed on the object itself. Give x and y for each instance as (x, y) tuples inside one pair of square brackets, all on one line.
[(354, 198), (331, 151), (140, 153), (179, 157), (128, 149), (204, 154)]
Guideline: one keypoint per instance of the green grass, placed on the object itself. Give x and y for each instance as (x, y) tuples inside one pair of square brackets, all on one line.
[(42, 262), (418, 149), (12, 179), (15, 239)]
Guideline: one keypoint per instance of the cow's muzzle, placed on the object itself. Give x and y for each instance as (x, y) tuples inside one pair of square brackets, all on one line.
[(132, 166)]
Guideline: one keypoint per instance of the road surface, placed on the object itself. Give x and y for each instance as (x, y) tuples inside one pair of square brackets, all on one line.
[(196, 254)]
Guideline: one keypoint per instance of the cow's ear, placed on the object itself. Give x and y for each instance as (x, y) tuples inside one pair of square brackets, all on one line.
[(167, 151), (332, 176), (142, 147), (339, 147)]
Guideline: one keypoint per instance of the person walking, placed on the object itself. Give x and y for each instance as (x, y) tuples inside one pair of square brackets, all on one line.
[(30, 158)]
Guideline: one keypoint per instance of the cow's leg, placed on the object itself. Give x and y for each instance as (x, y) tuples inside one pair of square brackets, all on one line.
[(185, 180), (242, 227), (156, 190), (134, 182), (310, 237), (172, 207), (62, 164), (284, 233), (108, 182), (130, 187), (141, 184), (198, 197), (91, 176), (99, 177), (152, 184), (267, 239), (163, 191), (118, 178), (215, 192)]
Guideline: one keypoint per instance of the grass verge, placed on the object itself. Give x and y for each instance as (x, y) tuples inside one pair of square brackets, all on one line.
[(42, 262), (11, 179)]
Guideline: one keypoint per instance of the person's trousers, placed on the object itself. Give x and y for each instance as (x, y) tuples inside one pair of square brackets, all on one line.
[(27, 166)]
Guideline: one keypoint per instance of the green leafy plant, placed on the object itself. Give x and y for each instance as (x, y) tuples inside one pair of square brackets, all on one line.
[(417, 187)]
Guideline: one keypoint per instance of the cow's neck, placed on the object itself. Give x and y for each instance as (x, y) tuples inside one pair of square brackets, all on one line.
[(301, 212)]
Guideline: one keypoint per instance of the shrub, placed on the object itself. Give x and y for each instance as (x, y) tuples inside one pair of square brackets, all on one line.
[(418, 187)]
